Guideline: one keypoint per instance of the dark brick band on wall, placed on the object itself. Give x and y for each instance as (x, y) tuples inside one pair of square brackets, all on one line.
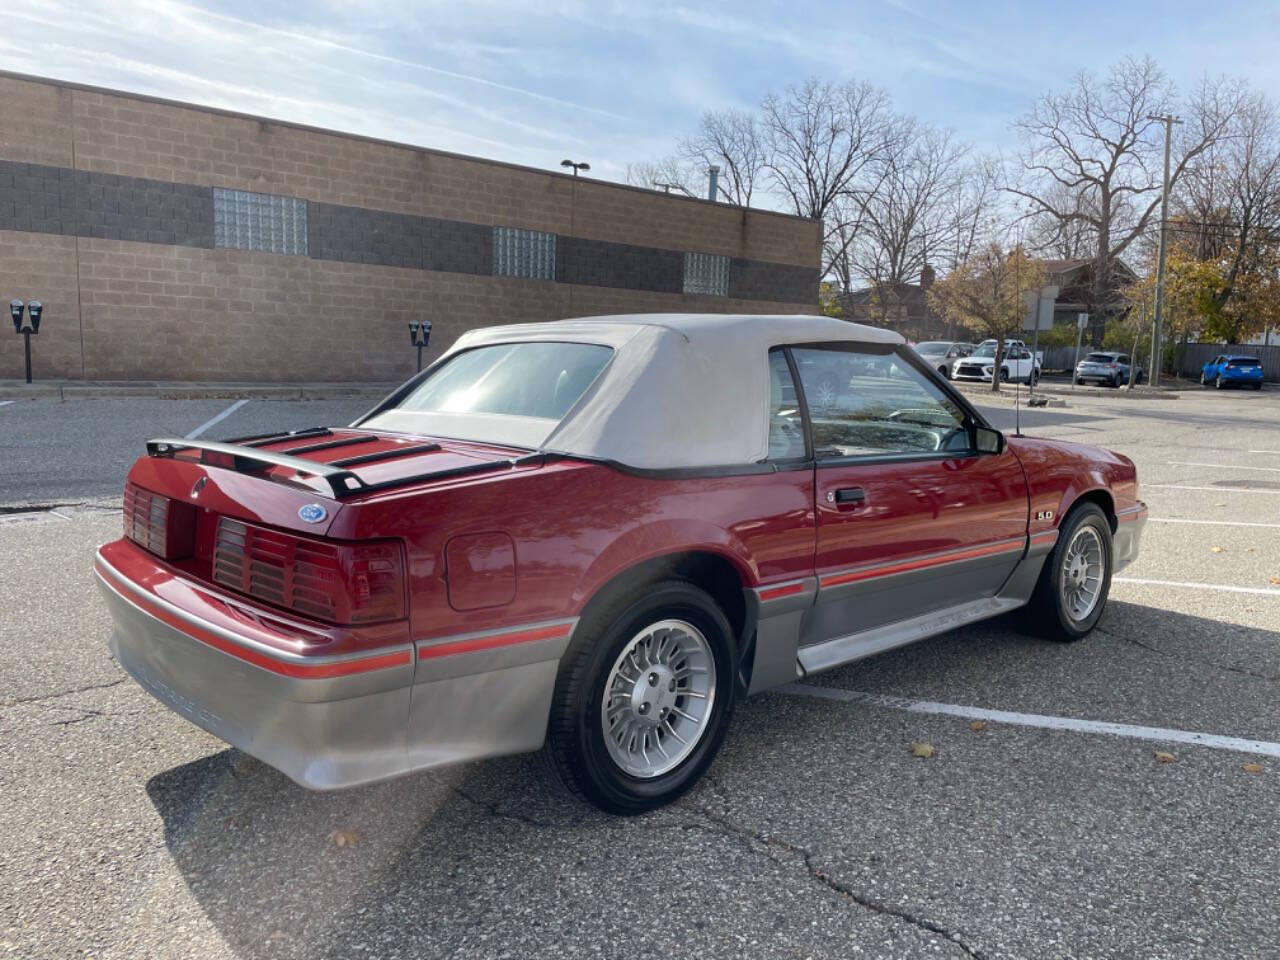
[(39, 199), (622, 265), (44, 199), (753, 280)]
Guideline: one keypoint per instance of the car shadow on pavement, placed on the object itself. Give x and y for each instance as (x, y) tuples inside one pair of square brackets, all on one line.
[(282, 871), (489, 858)]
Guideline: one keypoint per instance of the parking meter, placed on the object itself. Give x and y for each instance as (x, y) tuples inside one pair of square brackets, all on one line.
[(34, 309), (15, 311)]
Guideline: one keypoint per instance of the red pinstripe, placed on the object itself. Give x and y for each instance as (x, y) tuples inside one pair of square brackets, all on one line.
[(472, 644), (884, 570)]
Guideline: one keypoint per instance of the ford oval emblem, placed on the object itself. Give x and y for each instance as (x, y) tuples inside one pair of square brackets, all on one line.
[(312, 513)]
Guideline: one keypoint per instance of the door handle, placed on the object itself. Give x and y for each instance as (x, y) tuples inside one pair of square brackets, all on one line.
[(848, 495)]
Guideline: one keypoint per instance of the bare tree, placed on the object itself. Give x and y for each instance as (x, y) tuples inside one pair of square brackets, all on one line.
[(1093, 155), (731, 140), (909, 217), (667, 173), (822, 145), (1230, 198)]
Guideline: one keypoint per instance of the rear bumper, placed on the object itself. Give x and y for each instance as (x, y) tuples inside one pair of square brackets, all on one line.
[(333, 722)]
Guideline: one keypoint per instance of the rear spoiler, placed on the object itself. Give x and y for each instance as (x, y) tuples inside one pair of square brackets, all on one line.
[(340, 481)]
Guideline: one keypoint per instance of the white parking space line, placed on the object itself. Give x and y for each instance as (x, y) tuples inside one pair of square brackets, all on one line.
[(1157, 734), (1186, 585), (1214, 523), (1221, 466), (216, 420), (1273, 452), (5, 403), (1182, 486)]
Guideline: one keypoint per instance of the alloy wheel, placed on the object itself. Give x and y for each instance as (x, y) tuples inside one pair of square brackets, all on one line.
[(1083, 569), (658, 698)]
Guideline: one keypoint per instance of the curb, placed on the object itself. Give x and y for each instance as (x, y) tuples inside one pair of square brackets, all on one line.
[(1008, 398), (186, 391)]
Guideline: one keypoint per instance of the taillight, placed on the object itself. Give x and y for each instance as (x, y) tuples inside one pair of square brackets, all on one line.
[(159, 524), (341, 582)]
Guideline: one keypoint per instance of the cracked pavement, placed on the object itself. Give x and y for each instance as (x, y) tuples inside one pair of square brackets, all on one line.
[(130, 833)]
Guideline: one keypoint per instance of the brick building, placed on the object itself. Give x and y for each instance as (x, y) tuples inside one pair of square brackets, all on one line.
[(176, 242)]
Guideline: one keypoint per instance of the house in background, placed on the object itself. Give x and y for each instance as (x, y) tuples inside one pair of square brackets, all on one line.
[(905, 308)]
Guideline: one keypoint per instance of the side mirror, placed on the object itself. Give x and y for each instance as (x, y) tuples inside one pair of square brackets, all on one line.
[(986, 440)]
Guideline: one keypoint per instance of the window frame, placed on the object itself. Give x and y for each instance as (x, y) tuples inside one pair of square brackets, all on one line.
[(972, 418)]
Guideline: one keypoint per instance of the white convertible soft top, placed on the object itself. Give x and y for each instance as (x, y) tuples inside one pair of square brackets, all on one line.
[(682, 390)]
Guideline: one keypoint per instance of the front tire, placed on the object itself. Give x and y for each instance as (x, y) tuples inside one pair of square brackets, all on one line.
[(643, 699), (1073, 587), (1217, 383)]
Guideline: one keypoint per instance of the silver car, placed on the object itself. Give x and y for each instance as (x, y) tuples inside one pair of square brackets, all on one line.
[(942, 354)]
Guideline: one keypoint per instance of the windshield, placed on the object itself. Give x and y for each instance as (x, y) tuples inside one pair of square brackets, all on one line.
[(933, 346), (985, 351), (1243, 362), (510, 393), (1099, 358)]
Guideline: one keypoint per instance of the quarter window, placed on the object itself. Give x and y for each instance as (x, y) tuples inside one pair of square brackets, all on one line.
[(259, 221), (872, 404), (786, 426), (524, 253), (706, 273)]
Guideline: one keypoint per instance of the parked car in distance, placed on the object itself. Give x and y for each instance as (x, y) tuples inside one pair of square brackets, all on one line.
[(942, 354), (592, 537), (1106, 367), (1232, 370), (1016, 363)]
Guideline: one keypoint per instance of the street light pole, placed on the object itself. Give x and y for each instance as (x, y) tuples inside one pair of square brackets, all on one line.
[(576, 166), (1156, 354)]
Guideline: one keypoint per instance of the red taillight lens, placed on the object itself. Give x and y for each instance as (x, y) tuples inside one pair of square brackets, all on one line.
[(163, 526), (341, 582)]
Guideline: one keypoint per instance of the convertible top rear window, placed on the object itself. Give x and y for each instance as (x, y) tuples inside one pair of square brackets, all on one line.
[(513, 394), (542, 380)]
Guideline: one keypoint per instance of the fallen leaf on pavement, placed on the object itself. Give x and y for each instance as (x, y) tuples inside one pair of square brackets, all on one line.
[(1162, 757), (978, 725), (1217, 549), (1252, 768), (921, 749), (1276, 581), (344, 838)]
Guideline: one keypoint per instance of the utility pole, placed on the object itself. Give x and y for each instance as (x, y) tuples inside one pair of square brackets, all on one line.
[(1157, 354)]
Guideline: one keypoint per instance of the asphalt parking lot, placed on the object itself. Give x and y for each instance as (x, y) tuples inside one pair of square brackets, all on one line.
[(1042, 826)]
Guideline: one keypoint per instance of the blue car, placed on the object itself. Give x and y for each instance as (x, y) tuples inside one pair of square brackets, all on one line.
[(1231, 370)]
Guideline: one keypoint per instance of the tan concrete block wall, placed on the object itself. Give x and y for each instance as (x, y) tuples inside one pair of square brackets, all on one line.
[(42, 267), (35, 122), (181, 313)]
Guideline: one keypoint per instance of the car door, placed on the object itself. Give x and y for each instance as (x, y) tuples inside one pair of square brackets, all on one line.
[(910, 518)]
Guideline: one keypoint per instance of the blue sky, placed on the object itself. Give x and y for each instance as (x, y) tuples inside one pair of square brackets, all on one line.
[(613, 83)]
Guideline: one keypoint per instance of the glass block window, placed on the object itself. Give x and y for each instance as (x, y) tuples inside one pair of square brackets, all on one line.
[(524, 253), (259, 221), (706, 273)]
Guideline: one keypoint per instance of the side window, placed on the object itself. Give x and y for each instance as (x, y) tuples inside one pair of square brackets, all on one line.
[(1122, 360), (869, 404), (786, 427)]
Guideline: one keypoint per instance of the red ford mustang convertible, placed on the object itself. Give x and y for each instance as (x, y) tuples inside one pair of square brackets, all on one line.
[(591, 537)]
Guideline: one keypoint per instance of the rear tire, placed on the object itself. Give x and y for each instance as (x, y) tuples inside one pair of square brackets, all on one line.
[(1203, 381), (626, 637), (1217, 383), (1257, 386), (1076, 580)]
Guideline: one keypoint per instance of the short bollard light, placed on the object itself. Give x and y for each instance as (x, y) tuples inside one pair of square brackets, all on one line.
[(419, 334), (34, 310)]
